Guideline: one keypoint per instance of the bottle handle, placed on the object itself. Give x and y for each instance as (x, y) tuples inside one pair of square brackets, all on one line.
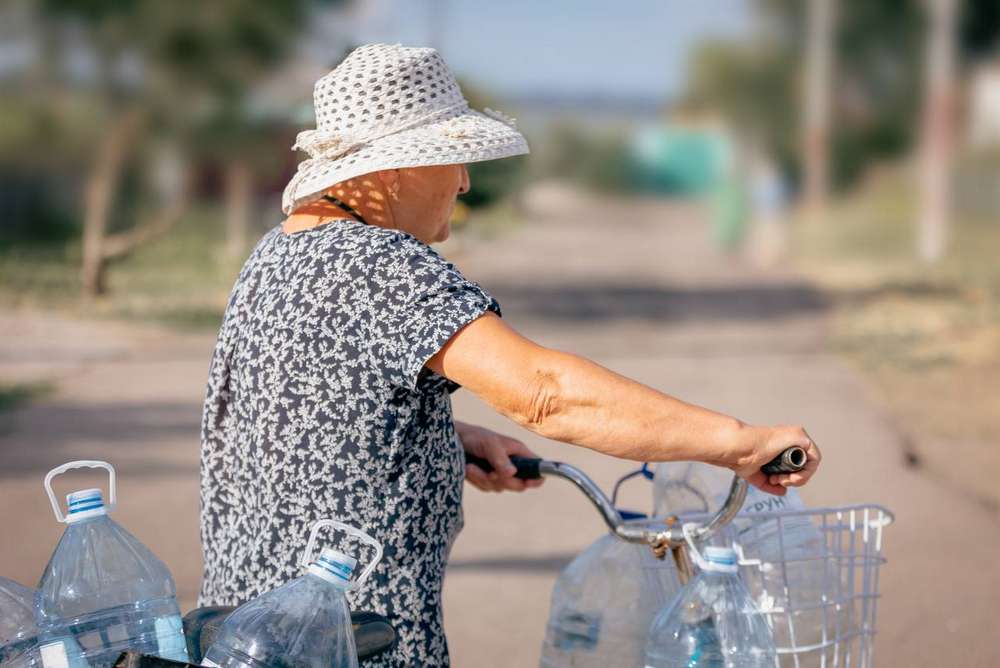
[(351, 531), (80, 464)]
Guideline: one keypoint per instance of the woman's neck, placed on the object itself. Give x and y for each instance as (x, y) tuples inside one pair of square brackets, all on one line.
[(297, 222)]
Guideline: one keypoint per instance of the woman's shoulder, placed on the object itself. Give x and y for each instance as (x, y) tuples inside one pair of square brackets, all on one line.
[(399, 248)]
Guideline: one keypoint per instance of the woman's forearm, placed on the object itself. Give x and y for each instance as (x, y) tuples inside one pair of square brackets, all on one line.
[(568, 398), (574, 400)]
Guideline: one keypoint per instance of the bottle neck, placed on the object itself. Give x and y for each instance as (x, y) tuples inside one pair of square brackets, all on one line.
[(87, 516)]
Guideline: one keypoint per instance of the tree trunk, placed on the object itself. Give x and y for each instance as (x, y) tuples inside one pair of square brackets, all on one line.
[(239, 200), (99, 194), (937, 139), (816, 105), (171, 180)]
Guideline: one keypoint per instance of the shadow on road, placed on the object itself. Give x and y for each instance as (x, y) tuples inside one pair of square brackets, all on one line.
[(128, 432), (552, 563), (582, 301)]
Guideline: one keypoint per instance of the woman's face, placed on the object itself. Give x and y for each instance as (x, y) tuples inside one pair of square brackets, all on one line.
[(417, 200), (422, 199)]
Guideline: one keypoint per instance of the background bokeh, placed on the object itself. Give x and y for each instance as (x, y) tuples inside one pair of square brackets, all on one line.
[(785, 209)]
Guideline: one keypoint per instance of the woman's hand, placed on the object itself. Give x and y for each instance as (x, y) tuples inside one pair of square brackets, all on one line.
[(497, 449), (762, 444)]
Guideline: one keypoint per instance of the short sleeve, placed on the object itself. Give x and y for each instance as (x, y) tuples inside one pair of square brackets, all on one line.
[(428, 301)]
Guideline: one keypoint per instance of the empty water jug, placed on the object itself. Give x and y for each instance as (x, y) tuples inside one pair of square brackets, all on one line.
[(711, 623), (797, 567), (103, 591), (17, 625), (304, 623), (603, 603)]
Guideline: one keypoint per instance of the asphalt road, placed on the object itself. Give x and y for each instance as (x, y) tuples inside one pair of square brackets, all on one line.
[(636, 286)]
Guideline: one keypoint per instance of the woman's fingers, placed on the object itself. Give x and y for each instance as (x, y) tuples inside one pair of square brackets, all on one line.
[(766, 483), (497, 450), (479, 479), (516, 448), (496, 454)]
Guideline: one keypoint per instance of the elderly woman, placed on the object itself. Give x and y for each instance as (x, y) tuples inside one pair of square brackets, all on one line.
[(345, 334)]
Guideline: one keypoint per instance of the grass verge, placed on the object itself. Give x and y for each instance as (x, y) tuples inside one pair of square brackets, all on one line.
[(927, 335)]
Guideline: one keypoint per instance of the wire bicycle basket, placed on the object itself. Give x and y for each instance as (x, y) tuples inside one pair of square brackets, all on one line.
[(813, 573), (820, 598)]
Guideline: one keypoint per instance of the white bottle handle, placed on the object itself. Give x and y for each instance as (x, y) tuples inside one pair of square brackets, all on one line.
[(80, 464), (348, 529)]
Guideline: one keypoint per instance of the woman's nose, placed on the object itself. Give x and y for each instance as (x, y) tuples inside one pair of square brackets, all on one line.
[(465, 183)]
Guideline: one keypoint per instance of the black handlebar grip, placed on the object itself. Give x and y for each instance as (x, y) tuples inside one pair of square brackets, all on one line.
[(527, 467), (791, 460)]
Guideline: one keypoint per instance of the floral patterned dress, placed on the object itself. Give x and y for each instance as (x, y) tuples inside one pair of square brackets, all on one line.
[(319, 406)]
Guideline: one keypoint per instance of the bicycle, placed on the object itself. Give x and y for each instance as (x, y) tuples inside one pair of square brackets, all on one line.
[(852, 544)]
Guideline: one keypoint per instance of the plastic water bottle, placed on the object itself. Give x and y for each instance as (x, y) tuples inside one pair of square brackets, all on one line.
[(712, 622), (17, 625), (304, 622), (103, 591), (796, 569), (603, 604)]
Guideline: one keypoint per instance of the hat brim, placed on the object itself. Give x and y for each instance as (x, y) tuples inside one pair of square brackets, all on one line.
[(467, 136)]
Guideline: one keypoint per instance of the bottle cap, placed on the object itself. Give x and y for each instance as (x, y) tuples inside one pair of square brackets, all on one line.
[(720, 559), (333, 565), (85, 503)]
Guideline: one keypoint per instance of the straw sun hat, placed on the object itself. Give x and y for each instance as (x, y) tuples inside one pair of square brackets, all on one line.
[(389, 106)]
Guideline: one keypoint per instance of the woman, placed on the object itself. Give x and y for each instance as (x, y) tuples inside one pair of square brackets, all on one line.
[(328, 392)]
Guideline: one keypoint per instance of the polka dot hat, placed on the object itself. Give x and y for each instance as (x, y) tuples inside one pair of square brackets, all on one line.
[(389, 106)]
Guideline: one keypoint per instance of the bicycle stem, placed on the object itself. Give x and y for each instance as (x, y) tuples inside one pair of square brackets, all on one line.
[(658, 534)]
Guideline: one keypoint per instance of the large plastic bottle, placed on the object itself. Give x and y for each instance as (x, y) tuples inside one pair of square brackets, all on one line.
[(792, 550), (103, 591), (304, 622), (712, 622), (17, 625), (603, 604)]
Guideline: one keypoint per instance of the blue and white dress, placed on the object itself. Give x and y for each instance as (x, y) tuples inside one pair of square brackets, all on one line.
[(319, 406)]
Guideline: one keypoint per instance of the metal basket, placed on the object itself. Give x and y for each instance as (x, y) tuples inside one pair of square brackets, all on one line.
[(832, 624), (813, 573)]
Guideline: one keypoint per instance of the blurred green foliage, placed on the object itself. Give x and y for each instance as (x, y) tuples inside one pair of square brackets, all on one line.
[(190, 67), (493, 180), (756, 83), (598, 159), (13, 395), (181, 280)]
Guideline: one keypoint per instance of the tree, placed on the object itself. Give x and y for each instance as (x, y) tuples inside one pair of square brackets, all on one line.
[(938, 130), (816, 102), (162, 69)]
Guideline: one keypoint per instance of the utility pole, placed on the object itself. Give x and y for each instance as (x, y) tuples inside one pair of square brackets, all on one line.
[(820, 21), (938, 130)]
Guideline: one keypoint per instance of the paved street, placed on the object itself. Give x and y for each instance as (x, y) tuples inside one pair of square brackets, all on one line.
[(635, 285)]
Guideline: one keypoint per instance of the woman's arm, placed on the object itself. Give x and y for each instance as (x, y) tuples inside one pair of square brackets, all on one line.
[(569, 398)]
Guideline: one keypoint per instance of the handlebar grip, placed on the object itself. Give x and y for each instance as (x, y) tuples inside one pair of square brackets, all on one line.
[(791, 460), (527, 467)]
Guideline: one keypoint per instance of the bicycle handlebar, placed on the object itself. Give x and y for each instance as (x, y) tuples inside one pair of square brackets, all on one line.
[(528, 468), (657, 534)]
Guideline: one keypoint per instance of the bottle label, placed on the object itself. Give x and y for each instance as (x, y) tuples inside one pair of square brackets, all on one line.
[(170, 638), (762, 502), (54, 655)]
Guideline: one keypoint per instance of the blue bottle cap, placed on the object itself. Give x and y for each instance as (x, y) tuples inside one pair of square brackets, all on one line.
[(85, 503), (721, 559), (333, 566)]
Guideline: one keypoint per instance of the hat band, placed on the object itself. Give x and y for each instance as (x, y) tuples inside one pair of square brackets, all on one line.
[(318, 143)]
